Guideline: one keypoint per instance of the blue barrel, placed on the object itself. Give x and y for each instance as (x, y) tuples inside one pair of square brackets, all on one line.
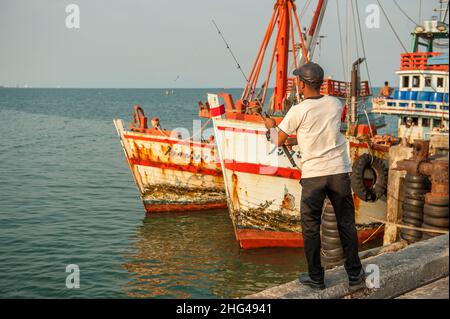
[(424, 96), (412, 95), (404, 95), (437, 97)]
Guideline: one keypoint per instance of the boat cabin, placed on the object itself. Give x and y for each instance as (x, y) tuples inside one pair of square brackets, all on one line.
[(421, 101)]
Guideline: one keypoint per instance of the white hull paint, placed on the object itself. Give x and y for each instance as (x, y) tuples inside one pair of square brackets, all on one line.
[(262, 200)]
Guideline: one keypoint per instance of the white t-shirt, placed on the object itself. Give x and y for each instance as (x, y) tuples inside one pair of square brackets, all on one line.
[(323, 149)]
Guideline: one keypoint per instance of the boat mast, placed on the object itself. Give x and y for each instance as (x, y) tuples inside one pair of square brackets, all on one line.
[(314, 29), (286, 20), (282, 47)]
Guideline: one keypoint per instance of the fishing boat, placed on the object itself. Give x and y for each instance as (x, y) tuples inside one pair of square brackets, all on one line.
[(421, 101), (171, 173), (262, 182)]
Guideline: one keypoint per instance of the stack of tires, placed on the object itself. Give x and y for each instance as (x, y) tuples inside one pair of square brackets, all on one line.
[(332, 254), (435, 214), (416, 186)]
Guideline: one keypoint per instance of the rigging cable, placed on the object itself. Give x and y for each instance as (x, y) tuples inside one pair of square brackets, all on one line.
[(363, 45), (445, 13), (404, 13), (392, 27), (420, 10), (354, 30), (340, 38), (366, 65), (399, 40)]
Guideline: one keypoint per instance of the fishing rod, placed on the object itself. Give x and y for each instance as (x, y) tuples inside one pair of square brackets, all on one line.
[(283, 147), (229, 49)]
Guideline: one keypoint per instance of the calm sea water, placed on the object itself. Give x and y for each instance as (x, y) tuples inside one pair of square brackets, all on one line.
[(67, 197)]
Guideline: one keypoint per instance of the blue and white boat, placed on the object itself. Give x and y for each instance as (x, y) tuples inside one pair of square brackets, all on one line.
[(421, 102)]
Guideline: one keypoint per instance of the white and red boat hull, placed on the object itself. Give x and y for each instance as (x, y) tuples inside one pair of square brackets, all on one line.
[(172, 174), (263, 189)]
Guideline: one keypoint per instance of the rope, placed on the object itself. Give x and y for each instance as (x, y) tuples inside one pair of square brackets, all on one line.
[(373, 234), (410, 227)]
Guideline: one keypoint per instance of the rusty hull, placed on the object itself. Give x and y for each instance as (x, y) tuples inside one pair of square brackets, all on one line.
[(173, 174)]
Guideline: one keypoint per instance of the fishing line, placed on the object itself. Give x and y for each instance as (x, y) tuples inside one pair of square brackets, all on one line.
[(229, 49)]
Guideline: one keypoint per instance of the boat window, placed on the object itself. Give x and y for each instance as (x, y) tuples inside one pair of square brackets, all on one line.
[(416, 81), (437, 123), (415, 121), (440, 82), (428, 81), (426, 122), (405, 81), (418, 106)]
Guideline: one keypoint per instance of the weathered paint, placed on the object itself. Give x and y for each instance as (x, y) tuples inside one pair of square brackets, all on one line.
[(251, 238), (173, 174), (155, 207), (265, 206)]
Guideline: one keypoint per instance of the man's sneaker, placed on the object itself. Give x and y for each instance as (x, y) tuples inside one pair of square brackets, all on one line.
[(308, 281), (357, 280)]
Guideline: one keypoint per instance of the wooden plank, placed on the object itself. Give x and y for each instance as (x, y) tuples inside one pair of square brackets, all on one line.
[(394, 192)]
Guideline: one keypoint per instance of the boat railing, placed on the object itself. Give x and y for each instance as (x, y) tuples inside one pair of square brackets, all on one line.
[(411, 106), (342, 89), (419, 60)]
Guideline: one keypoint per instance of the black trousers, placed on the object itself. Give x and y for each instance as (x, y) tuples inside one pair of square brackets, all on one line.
[(338, 189)]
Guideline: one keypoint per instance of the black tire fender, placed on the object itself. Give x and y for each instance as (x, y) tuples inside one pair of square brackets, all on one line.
[(437, 201), (412, 222), (412, 208), (435, 221), (330, 233), (417, 179), (435, 211), (414, 202), (327, 246), (413, 215), (378, 189), (420, 186), (337, 251), (412, 232), (331, 240)]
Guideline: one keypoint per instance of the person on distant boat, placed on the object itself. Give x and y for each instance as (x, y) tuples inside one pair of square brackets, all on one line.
[(325, 173), (386, 91)]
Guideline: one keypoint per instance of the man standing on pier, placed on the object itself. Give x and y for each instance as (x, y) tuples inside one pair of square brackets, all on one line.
[(325, 173)]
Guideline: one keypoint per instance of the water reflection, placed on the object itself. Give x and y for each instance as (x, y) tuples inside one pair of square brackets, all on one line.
[(195, 255)]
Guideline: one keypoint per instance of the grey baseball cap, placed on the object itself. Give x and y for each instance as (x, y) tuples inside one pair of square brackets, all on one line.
[(310, 73)]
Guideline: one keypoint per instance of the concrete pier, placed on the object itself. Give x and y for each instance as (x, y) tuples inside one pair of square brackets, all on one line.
[(436, 290), (400, 272)]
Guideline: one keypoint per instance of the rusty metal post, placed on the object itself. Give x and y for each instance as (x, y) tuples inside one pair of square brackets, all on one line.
[(435, 213)]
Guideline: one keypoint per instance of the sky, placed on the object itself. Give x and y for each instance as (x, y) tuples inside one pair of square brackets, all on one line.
[(149, 43)]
